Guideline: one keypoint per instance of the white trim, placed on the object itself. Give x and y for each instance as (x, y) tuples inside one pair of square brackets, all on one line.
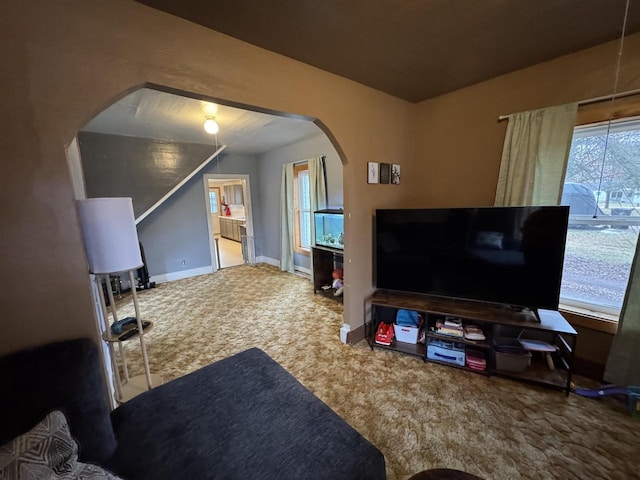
[(268, 260), (213, 246), (276, 263), (74, 160), (346, 328), (304, 270), (248, 212), (105, 353), (171, 276), (177, 187), (594, 309)]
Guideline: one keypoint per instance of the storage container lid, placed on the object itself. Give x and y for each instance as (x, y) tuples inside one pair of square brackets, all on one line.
[(509, 345)]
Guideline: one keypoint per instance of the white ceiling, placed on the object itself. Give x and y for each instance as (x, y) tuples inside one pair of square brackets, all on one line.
[(151, 113)]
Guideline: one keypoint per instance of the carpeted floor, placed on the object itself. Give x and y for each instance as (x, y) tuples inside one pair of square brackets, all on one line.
[(419, 415)]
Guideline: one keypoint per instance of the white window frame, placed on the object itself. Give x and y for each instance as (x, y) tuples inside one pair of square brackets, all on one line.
[(301, 169), (212, 203), (598, 310)]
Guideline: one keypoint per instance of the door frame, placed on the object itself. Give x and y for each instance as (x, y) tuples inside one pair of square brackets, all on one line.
[(248, 212), (219, 200)]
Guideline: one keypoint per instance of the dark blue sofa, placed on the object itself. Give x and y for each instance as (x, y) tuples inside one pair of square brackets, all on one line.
[(243, 417)]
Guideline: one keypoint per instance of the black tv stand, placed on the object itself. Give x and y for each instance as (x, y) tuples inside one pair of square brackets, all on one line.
[(523, 309), (516, 308), (496, 321)]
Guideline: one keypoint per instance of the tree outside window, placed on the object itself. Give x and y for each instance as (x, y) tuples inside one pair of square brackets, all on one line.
[(603, 192)]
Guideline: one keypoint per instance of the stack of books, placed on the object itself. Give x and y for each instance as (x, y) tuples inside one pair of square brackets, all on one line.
[(473, 332), (450, 326)]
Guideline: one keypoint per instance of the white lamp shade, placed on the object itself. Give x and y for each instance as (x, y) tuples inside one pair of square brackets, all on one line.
[(110, 235)]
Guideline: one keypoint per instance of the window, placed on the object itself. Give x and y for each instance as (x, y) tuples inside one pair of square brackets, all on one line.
[(302, 209), (213, 201), (604, 218)]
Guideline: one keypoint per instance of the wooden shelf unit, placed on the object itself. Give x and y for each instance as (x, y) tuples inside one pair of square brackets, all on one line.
[(109, 336), (494, 319), (323, 261)]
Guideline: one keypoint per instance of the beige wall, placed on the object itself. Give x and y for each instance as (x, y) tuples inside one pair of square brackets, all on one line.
[(459, 139), (65, 61)]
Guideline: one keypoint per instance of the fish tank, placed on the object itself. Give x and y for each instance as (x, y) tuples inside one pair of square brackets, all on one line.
[(329, 225)]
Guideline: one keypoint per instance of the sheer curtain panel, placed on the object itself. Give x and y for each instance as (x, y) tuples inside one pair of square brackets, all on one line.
[(317, 188), (286, 222), (534, 156)]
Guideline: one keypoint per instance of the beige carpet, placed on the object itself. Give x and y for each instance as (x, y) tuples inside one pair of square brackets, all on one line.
[(420, 415)]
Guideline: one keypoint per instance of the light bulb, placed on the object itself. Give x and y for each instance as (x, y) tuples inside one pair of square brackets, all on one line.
[(211, 126)]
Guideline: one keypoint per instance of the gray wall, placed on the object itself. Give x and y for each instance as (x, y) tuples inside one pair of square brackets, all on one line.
[(270, 171), (144, 169), (178, 231)]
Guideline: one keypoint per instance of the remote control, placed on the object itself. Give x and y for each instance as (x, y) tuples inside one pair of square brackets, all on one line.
[(118, 326), (127, 335)]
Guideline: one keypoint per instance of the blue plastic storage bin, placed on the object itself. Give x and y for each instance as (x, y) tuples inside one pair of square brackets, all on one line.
[(443, 351)]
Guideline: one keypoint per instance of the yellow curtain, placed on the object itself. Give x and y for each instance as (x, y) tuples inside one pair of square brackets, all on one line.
[(534, 156), (317, 188), (286, 218)]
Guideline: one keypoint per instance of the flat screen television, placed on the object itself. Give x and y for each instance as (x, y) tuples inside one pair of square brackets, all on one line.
[(505, 255)]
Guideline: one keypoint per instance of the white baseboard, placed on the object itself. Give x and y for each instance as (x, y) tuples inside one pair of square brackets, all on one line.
[(269, 260), (346, 328), (303, 270), (276, 263), (171, 276)]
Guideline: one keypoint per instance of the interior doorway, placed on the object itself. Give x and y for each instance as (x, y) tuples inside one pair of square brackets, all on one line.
[(156, 137), (230, 219)]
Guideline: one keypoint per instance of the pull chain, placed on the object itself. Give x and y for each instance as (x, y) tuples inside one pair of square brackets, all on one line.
[(613, 97)]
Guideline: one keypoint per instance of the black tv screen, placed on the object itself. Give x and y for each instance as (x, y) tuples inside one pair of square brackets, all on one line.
[(507, 255)]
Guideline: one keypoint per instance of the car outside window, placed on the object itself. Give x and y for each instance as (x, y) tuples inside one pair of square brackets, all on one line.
[(603, 192)]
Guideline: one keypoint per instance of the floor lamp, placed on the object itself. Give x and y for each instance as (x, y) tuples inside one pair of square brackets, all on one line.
[(112, 246)]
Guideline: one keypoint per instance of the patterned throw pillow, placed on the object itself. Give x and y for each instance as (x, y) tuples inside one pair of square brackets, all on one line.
[(47, 451)]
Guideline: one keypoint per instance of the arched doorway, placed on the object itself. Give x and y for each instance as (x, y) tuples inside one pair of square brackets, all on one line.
[(156, 147)]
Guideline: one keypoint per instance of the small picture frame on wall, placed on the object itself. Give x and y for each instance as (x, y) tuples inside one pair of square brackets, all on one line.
[(395, 174), (372, 172), (385, 173)]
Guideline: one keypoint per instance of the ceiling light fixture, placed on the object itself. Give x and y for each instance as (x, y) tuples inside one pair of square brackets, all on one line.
[(211, 126)]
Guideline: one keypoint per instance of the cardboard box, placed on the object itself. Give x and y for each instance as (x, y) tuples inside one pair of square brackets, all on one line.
[(406, 334)]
